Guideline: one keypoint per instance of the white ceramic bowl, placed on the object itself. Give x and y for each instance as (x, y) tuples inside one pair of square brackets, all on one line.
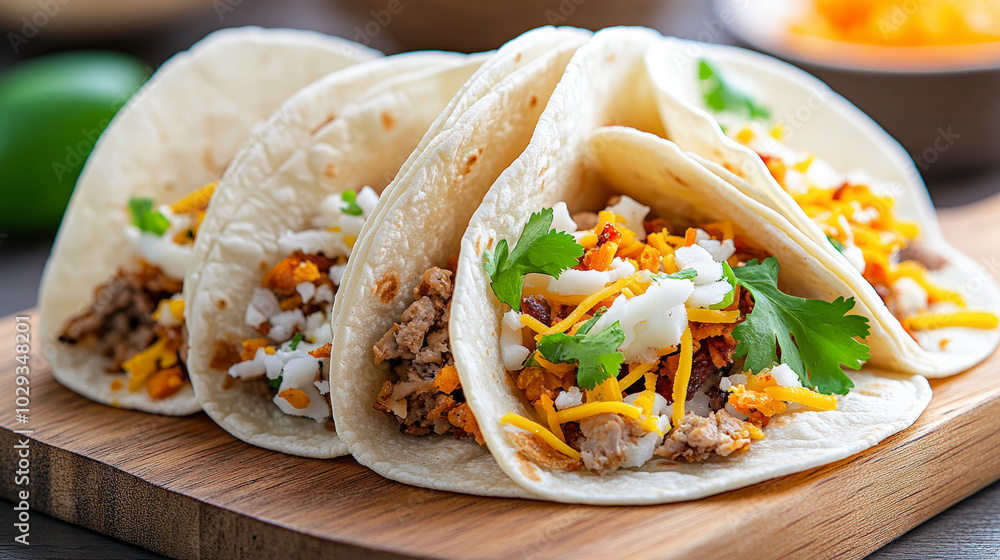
[(941, 103)]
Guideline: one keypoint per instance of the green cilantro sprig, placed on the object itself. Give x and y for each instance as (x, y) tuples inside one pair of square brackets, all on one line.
[(539, 250), (728, 276), (721, 96), (596, 355), (295, 341), (836, 244), (146, 218), (686, 274), (815, 337), (352, 208)]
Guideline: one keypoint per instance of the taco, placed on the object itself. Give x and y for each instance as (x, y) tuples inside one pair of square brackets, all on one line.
[(112, 315), (483, 130), (783, 137), (274, 245), (676, 342)]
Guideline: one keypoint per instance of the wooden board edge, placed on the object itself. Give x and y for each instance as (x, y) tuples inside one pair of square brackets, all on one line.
[(947, 466), (195, 530)]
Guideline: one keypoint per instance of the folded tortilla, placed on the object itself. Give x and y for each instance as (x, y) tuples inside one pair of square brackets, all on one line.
[(177, 133), (419, 224), (576, 157), (327, 139), (819, 121)]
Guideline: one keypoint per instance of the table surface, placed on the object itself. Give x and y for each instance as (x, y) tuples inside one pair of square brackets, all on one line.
[(968, 530)]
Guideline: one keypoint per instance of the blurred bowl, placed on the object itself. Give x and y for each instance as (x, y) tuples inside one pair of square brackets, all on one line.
[(468, 26), (941, 103), (81, 17)]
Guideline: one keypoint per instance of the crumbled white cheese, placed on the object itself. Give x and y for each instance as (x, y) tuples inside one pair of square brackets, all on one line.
[(653, 320), (569, 398), (633, 213), (561, 220)]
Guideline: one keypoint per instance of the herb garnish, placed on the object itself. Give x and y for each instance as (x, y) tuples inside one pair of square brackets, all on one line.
[(352, 208), (539, 250), (596, 355), (146, 218), (816, 337), (722, 96)]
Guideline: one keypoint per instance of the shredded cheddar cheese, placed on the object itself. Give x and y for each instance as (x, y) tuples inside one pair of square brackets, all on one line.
[(533, 324), (682, 377), (713, 316), (547, 436), (591, 409), (635, 374), (549, 414), (196, 201), (970, 319), (803, 396)]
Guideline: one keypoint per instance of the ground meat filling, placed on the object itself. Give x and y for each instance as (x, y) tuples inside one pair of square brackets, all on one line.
[(697, 437), (426, 396), (119, 322), (603, 445)]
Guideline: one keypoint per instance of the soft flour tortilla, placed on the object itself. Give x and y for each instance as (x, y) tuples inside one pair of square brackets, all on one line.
[(274, 186), (822, 122), (572, 157), (177, 133), (419, 224)]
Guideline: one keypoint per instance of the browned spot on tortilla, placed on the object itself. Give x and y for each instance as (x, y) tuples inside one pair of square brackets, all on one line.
[(388, 120), (611, 57), (534, 100), (387, 287), (263, 265), (677, 179), (543, 170), (528, 469), (478, 246), (330, 171), (208, 158), (469, 163), (540, 453), (329, 119), (542, 187), (221, 303), (517, 58)]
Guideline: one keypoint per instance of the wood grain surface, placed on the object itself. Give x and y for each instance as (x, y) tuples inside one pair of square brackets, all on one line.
[(186, 489)]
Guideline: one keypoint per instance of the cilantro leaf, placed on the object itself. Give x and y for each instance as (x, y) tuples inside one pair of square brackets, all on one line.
[(539, 250), (146, 218), (531, 361), (686, 274), (722, 96), (276, 382), (728, 276), (836, 244), (295, 341), (815, 337), (596, 355), (352, 208)]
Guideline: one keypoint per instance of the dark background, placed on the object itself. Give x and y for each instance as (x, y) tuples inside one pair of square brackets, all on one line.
[(967, 530)]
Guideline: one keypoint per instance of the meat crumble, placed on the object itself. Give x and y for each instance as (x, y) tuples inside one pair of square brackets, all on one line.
[(426, 396)]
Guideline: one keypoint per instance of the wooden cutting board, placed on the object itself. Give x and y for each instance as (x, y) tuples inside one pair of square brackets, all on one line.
[(185, 488)]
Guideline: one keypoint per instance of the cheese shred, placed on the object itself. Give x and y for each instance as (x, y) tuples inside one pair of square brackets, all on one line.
[(547, 436), (682, 377)]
